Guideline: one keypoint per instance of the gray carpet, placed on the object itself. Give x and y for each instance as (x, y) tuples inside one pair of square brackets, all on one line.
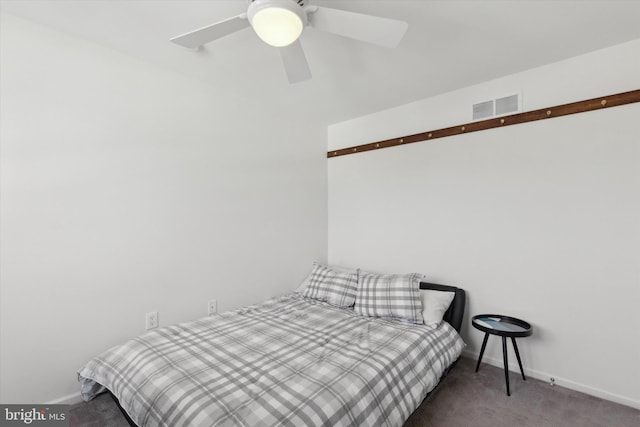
[(467, 399), (464, 399)]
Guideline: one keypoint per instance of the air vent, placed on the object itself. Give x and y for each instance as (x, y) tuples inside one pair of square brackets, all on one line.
[(483, 110), (496, 107), (506, 105)]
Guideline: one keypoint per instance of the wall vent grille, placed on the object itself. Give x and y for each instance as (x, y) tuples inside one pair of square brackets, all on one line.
[(507, 105), (497, 107), (483, 110)]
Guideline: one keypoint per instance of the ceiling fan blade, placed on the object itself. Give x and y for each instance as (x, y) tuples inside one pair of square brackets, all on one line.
[(212, 32), (295, 63), (367, 28)]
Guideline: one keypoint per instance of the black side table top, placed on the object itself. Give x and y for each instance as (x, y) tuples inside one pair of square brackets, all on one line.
[(504, 326)]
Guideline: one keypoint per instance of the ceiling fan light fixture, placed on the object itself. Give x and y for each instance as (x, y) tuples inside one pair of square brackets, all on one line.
[(277, 22)]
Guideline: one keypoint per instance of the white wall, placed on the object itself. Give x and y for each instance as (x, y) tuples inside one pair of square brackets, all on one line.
[(538, 221), (126, 189)]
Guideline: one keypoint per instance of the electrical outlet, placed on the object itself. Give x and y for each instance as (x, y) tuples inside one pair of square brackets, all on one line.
[(212, 307), (152, 320)]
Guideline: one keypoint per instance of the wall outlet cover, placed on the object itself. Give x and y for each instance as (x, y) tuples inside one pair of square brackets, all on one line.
[(212, 307), (152, 320)]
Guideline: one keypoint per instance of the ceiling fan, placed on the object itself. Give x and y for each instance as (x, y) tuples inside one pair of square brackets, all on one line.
[(279, 23)]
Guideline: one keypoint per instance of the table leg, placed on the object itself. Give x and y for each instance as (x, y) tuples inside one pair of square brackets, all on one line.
[(484, 344), (515, 347), (506, 364)]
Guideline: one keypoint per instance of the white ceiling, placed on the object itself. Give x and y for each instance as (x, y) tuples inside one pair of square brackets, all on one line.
[(449, 45)]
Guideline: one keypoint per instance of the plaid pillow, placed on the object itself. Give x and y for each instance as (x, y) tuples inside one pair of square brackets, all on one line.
[(395, 296), (334, 287)]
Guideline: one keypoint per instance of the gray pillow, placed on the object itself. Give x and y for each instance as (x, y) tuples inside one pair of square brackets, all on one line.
[(394, 296), (335, 287)]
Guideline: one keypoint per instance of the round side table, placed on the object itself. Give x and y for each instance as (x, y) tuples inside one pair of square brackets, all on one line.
[(505, 327)]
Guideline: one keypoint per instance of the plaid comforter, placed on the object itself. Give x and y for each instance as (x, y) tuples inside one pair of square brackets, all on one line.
[(289, 361)]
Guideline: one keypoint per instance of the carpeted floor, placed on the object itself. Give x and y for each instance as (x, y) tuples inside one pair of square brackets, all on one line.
[(464, 399), (467, 399)]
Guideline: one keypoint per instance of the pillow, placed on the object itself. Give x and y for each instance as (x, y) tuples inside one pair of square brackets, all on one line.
[(305, 282), (394, 296), (434, 305), (332, 286)]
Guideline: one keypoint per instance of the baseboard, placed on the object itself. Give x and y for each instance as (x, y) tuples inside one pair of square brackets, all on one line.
[(70, 399), (559, 381)]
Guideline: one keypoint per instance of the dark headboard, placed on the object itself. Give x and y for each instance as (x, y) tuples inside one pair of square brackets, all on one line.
[(456, 310)]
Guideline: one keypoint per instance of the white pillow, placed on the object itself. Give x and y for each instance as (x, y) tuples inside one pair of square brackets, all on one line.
[(434, 305)]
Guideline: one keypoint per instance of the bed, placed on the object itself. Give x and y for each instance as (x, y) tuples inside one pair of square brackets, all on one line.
[(290, 361)]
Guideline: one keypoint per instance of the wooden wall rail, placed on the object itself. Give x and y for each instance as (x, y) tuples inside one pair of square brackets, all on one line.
[(514, 119)]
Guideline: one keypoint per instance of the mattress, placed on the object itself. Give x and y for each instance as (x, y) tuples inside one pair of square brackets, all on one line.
[(289, 361)]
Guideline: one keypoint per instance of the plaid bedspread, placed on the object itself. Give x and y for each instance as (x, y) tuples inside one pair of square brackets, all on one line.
[(289, 361)]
